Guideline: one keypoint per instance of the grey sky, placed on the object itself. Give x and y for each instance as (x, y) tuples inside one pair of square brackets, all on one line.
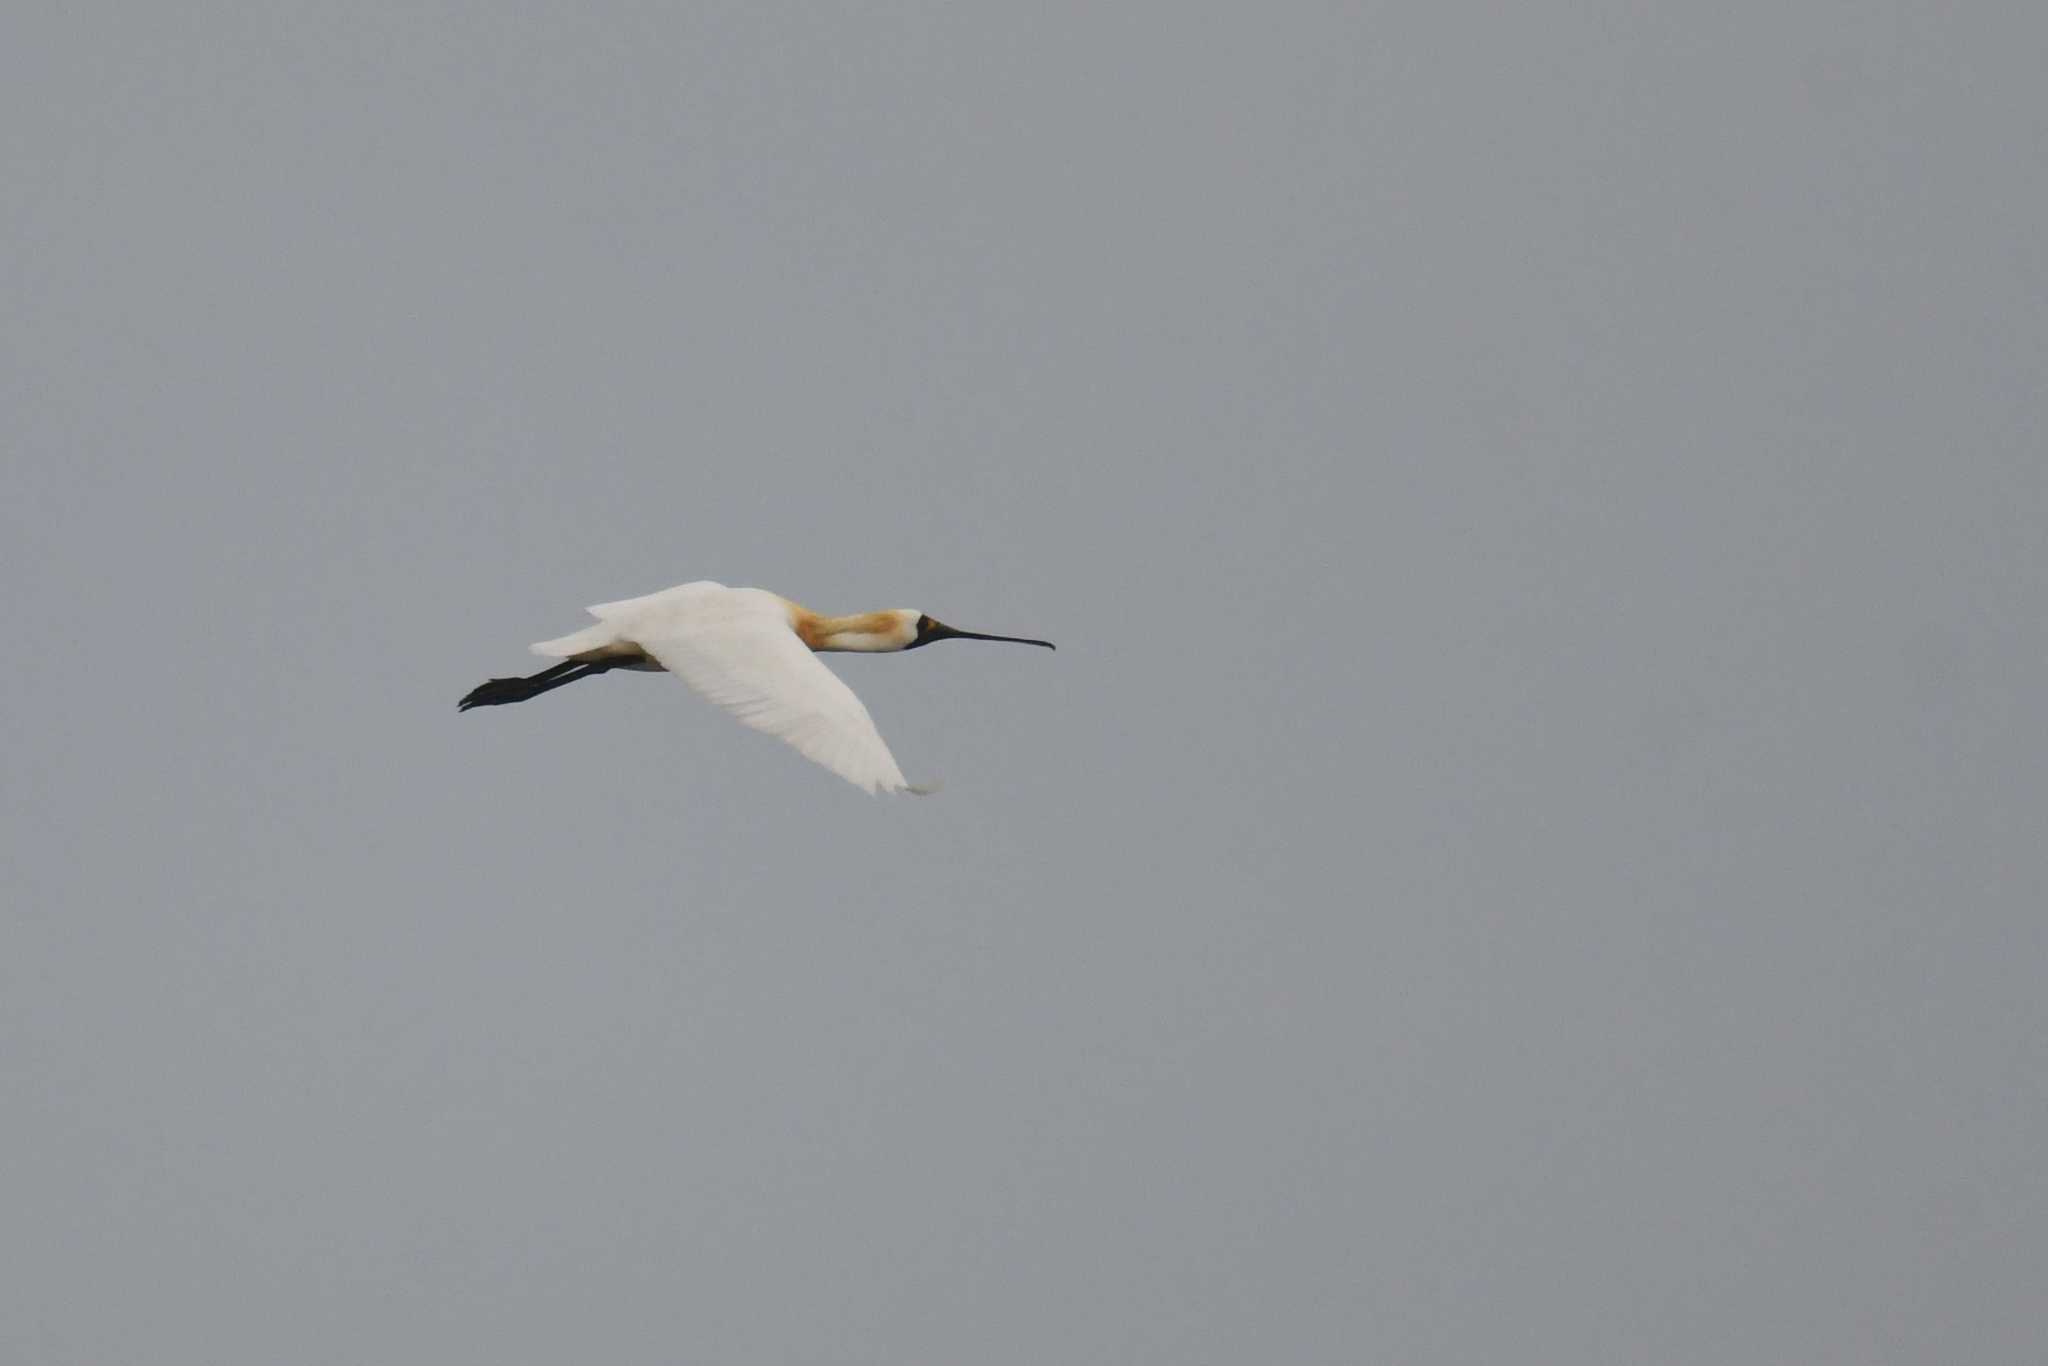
[(1530, 847)]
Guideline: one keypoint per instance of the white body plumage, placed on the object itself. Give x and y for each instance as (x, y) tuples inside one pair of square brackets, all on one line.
[(753, 653)]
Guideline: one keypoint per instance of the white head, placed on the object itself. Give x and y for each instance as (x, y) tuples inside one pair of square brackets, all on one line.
[(925, 631)]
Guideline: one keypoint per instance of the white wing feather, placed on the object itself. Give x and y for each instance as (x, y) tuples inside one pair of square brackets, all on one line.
[(736, 648)]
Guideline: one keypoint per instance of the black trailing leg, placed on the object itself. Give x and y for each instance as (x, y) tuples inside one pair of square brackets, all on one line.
[(498, 691)]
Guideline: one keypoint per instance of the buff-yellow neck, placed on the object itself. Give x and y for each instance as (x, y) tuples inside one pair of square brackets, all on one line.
[(865, 632)]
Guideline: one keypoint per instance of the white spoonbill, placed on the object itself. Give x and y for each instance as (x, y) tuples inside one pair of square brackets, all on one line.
[(751, 652)]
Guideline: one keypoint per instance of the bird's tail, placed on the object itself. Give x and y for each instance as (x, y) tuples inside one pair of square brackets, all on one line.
[(577, 642)]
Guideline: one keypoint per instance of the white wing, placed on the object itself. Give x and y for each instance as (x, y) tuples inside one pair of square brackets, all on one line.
[(735, 647)]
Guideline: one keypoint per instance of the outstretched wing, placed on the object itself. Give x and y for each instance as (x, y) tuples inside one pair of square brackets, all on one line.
[(735, 647)]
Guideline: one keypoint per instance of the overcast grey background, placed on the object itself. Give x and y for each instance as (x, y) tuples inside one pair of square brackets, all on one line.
[(1531, 847)]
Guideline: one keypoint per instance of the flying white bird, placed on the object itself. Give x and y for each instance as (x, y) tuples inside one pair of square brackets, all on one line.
[(751, 652)]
